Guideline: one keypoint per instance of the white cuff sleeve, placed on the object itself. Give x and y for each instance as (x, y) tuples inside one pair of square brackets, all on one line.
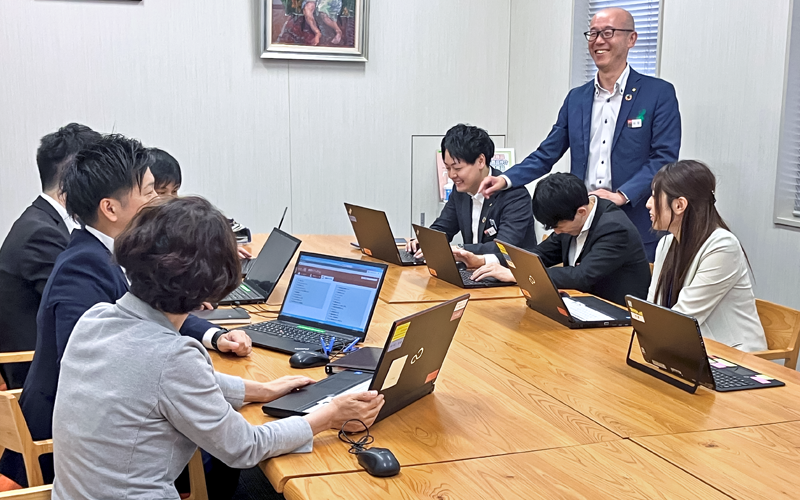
[(207, 337), (508, 181), (491, 258)]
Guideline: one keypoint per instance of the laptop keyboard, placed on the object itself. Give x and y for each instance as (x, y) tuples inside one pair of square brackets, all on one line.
[(407, 256), (466, 277), (243, 292), (287, 331), (723, 380), (582, 312)]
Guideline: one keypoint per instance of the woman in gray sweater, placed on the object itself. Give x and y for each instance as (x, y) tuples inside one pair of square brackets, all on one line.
[(135, 398)]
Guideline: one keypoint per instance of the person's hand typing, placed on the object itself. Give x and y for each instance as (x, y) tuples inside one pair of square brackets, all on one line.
[(413, 247), (493, 270), (470, 259)]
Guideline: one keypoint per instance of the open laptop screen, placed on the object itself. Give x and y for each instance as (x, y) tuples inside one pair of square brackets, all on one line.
[(272, 260), (332, 291)]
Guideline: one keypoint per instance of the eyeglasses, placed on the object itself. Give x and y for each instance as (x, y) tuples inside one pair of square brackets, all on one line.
[(606, 33)]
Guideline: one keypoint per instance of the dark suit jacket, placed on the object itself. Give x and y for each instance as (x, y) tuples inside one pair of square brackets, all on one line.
[(636, 153), (26, 260), (84, 275), (510, 210), (612, 262)]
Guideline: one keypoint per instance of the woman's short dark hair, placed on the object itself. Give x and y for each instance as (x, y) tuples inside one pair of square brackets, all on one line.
[(467, 143), (165, 169), (179, 253), (558, 197), (110, 167)]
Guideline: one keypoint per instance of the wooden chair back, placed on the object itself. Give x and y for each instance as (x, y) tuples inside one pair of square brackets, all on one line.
[(782, 328), (34, 493), (197, 478), (15, 436)]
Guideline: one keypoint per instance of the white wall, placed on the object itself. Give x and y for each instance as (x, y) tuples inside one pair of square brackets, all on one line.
[(185, 75), (251, 135), (726, 59)]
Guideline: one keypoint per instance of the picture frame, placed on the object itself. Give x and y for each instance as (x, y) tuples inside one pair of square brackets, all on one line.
[(315, 30)]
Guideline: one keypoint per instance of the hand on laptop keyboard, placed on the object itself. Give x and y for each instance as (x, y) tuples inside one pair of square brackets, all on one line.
[(494, 271)]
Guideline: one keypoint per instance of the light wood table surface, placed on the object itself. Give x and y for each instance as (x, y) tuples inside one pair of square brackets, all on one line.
[(477, 410), (585, 369), (759, 462), (403, 284), (613, 470)]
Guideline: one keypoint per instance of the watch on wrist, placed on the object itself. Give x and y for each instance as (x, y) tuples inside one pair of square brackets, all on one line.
[(219, 333)]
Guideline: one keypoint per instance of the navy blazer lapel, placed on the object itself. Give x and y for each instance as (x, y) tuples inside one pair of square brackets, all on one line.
[(631, 89), (587, 103)]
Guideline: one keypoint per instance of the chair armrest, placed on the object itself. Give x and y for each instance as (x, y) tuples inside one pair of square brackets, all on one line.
[(773, 354), (43, 446)]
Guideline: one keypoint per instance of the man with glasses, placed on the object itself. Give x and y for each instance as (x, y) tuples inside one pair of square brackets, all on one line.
[(620, 128)]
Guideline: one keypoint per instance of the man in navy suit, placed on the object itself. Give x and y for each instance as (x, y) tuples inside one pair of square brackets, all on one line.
[(620, 128), (29, 251), (467, 152), (106, 185)]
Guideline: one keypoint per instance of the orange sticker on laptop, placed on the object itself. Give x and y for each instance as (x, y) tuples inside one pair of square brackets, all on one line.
[(433, 272), (367, 251), (526, 293), (431, 376), (562, 311)]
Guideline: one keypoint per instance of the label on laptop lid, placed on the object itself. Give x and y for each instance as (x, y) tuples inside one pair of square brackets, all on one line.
[(393, 375), (398, 337)]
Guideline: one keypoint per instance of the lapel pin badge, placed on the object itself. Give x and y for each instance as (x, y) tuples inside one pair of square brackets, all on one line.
[(484, 220), (628, 97), (633, 89)]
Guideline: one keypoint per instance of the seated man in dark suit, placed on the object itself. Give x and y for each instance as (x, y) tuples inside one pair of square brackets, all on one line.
[(467, 152), (598, 245), (104, 188), (30, 249)]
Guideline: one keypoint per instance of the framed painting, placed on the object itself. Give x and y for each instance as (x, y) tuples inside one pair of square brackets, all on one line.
[(317, 30)]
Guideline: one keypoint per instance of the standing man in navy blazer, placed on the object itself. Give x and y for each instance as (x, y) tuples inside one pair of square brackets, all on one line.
[(620, 128)]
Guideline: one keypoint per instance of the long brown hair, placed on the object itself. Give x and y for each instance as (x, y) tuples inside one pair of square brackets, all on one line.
[(694, 181)]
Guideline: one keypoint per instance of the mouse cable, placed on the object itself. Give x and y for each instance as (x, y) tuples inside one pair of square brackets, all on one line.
[(359, 445)]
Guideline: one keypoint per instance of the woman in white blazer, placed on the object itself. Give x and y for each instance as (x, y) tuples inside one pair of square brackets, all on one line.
[(700, 268)]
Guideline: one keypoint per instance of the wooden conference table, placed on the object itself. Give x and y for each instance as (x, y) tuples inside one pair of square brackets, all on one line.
[(526, 408)]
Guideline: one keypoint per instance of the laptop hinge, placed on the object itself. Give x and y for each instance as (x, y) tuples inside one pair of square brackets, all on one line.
[(658, 374)]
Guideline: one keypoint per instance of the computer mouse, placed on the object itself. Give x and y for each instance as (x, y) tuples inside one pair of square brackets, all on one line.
[(378, 462), (308, 359)]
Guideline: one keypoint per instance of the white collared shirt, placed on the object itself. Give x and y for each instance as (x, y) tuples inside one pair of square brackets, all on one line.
[(576, 245), (62, 212), (477, 207), (605, 111), (105, 239)]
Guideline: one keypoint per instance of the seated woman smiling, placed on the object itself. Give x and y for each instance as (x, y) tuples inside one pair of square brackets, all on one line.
[(700, 268), (135, 398)]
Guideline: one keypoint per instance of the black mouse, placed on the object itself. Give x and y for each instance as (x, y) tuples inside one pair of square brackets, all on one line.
[(308, 359), (378, 462)]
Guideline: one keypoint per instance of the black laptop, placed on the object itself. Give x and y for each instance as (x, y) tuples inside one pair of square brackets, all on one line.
[(442, 264), (543, 296), (375, 236), (327, 297), (672, 342), (247, 264), (267, 269), (407, 370)]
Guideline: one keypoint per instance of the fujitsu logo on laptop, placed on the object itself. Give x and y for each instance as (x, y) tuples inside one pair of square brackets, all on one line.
[(532, 281), (418, 355)]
